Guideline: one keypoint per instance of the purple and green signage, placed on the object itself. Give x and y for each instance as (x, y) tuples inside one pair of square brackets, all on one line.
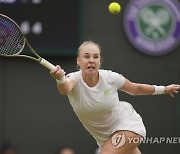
[(153, 26)]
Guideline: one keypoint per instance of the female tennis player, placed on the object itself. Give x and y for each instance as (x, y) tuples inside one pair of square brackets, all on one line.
[(93, 95)]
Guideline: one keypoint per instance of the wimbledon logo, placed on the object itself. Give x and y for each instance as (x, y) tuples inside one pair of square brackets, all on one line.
[(153, 26)]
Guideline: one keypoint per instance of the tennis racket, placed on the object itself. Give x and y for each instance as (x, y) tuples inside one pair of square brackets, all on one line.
[(13, 41)]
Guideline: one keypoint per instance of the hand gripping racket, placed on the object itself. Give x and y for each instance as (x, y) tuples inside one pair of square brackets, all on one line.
[(13, 41)]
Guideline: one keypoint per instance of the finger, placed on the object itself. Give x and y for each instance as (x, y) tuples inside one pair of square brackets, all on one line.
[(55, 69), (63, 72), (176, 85), (57, 66), (171, 94), (175, 91), (52, 72), (59, 74)]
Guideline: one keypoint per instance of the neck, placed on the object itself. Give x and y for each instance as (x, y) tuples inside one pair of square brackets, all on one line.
[(91, 81)]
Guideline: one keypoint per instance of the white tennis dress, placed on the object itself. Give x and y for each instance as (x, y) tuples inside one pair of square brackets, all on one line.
[(99, 108)]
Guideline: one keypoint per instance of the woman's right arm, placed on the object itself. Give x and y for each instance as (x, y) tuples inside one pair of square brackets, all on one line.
[(65, 84)]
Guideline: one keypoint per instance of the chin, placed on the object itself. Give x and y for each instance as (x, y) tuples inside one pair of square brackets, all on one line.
[(91, 71)]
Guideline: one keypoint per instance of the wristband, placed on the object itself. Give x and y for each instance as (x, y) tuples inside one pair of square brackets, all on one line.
[(62, 80), (158, 90)]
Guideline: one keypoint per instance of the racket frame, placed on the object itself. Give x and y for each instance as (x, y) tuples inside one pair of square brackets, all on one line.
[(37, 58)]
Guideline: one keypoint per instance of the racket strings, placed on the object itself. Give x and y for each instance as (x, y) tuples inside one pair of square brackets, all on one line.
[(11, 38)]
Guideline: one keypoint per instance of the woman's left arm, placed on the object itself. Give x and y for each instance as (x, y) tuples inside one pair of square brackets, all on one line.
[(146, 89)]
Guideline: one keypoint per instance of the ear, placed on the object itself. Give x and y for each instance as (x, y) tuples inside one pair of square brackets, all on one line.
[(77, 61)]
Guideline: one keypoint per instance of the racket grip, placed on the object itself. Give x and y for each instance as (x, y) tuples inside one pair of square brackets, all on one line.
[(47, 64)]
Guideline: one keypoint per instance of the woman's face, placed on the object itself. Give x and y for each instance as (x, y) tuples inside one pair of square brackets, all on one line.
[(89, 58)]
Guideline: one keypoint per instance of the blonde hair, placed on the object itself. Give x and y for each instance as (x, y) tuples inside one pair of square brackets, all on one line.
[(88, 43)]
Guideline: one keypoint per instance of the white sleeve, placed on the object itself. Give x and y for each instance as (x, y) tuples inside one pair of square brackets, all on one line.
[(119, 79)]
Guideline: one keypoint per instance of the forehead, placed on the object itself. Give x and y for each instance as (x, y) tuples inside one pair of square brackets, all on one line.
[(90, 49)]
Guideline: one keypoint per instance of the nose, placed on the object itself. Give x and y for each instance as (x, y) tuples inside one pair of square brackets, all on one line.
[(91, 60)]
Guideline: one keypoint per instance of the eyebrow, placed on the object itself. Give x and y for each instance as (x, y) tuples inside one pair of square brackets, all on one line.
[(89, 53)]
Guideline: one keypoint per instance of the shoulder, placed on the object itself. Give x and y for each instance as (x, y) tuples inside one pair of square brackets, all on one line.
[(109, 73), (105, 72), (113, 77), (106, 75), (74, 75)]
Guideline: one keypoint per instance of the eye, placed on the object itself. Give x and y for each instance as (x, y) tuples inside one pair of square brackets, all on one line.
[(86, 56), (96, 56)]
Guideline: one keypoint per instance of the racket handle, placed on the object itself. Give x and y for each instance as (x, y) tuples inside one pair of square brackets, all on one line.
[(47, 64), (50, 66)]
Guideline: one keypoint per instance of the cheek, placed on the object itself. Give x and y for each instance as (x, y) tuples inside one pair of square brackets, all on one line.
[(99, 62), (82, 63)]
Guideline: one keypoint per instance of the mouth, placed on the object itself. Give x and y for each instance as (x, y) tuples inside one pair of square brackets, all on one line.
[(91, 67)]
